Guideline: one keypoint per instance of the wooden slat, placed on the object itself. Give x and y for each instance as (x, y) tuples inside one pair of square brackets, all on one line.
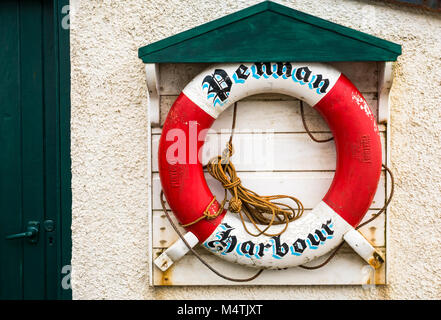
[(309, 187), (164, 235), (223, 122), (173, 77), (364, 75), (269, 151), (281, 114), (346, 268)]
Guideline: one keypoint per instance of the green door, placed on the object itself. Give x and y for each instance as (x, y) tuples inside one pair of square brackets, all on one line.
[(35, 200)]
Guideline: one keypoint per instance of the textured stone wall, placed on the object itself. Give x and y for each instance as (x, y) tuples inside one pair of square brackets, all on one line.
[(109, 146)]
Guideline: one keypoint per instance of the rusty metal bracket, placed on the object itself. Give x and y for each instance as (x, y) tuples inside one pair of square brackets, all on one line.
[(364, 248), (175, 252)]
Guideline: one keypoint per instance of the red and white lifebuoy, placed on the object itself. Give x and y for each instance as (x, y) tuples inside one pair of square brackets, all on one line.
[(354, 185)]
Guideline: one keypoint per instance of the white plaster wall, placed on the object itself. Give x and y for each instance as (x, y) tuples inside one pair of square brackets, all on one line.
[(109, 146)]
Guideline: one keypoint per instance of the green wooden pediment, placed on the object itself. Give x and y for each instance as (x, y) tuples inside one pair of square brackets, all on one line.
[(269, 32)]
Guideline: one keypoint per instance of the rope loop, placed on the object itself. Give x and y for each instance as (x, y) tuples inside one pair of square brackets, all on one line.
[(207, 214), (259, 210)]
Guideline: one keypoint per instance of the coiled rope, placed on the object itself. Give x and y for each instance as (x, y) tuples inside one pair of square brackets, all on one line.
[(256, 207), (263, 210)]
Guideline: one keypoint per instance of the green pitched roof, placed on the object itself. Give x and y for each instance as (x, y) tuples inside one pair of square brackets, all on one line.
[(269, 32)]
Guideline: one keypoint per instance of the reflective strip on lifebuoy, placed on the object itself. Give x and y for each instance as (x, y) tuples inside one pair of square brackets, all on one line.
[(358, 169)]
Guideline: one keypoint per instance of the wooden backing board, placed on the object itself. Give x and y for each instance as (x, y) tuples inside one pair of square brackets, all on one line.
[(274, 155)]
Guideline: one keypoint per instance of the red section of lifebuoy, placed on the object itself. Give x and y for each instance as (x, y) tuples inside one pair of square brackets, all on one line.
[(184, 184), (358, 148)]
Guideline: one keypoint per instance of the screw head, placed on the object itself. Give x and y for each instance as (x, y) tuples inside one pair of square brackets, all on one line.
[(49, 225)]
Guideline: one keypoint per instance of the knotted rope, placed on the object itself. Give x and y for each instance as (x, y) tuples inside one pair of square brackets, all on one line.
[(263, 210)]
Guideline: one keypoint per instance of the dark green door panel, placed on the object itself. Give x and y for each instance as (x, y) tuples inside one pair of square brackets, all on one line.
[(10, 151), (34, 149)]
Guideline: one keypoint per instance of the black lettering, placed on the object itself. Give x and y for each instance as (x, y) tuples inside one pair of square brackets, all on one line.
[(281, 249), (219, 83), (299, 245), (313, 240), (261, 250), (247, 248), (288, 68), (319, 233), (240, 72), (327, 229), (318, 80), (303, 74), (259, 68), (226, 238)]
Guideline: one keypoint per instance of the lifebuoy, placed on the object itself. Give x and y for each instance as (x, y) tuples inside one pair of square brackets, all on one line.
[(354, 185)]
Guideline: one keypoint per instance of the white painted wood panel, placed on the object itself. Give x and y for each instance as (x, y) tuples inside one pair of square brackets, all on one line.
[(308, 187), (224, 121), (268, 151), (283, 116), (282, 113), (364, 75), (304, 169), (175, 76), (164, 235)]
